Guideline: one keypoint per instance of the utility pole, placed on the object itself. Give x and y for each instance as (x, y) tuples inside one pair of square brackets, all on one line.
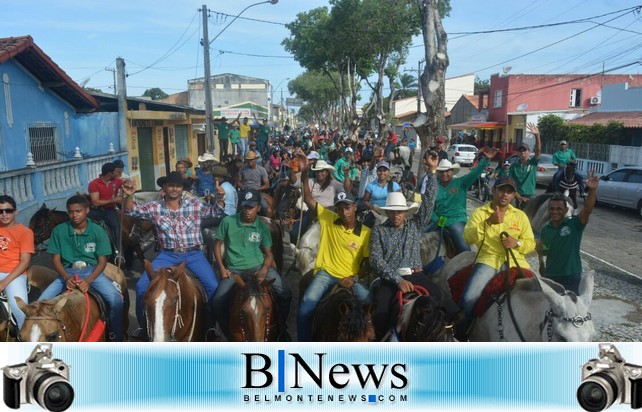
[(122, 103), (419, 86), (207, 85)]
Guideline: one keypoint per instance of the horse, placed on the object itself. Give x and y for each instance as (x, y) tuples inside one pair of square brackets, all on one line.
[(175, 305), (287, 198), (253, 316), (422, 317), (70, 317), (569, 182), (544, 311), (132, 230), (341, 317)]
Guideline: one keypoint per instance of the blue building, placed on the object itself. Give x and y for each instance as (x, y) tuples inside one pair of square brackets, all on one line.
[(44, 117)]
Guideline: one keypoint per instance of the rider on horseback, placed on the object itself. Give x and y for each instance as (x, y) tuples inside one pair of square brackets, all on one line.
[(343, 250), (395, 255), (450, 205), (254, 176), (16, 248), (178, 225), (484, 229), (79, 250), (103, 192), (524, 171), (561, 159)]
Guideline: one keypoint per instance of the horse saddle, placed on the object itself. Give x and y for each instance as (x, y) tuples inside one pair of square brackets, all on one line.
[(104, 318), (495, 287)]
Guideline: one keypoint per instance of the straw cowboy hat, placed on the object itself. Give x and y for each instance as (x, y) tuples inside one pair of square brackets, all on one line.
[(323, 165), (252, 155), (396, 201), (207, 157), (445, 165)]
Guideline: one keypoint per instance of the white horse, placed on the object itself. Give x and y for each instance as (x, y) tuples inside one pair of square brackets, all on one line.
[(543, 310), (537, 210)]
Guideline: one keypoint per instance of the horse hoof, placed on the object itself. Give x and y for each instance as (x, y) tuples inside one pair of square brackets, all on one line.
[(213, 335)]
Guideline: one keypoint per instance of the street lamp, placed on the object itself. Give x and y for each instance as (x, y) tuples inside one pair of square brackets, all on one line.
[(206, 59), (272, 97)]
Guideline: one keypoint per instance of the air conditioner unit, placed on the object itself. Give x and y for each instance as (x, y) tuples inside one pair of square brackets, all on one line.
[(596, 100)]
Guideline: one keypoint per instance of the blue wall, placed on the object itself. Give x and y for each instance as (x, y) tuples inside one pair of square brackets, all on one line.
[(31, 104)]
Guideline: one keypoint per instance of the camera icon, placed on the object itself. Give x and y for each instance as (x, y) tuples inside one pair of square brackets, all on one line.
[(41, 379), (608, 380)]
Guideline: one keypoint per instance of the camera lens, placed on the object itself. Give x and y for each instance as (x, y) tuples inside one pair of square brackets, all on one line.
[(53, 392), (597, 392)]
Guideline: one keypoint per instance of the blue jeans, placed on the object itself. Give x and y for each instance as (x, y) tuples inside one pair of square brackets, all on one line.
[(558, 176), (104, 287), (304, 223), (243, 146), (570, 282), (223, 145), (456, 232), (196, 263), (262, 147), (17, 288), (113, 223), (389, 148), (479, 277), (321, 284), (221, 301)]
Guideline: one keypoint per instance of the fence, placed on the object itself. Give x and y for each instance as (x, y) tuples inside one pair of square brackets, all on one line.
[(601, 157)]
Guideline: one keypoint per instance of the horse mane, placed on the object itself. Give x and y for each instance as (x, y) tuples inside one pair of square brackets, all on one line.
[(164, 275), (252, 287), (341, 313)]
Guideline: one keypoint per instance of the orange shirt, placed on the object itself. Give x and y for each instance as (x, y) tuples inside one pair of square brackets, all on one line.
[(13, 242)]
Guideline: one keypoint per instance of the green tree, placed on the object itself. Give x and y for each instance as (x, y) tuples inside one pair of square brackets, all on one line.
[(552, 128), (406, 86), (92, 90), (155, 93), (481, 84), (319, 93)]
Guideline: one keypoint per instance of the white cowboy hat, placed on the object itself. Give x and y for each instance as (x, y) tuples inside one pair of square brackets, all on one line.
[(445, 164), (397, 201), (207, 157), (323, 165)]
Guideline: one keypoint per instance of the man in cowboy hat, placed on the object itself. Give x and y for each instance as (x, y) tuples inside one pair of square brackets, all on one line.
[(485, 229), (254, 176), (342, 254), (450, 205), (524, 171), (177, 220), (395, 254), (204, 179)]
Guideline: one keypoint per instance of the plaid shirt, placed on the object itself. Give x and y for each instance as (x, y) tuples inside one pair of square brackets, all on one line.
[(177, 228)]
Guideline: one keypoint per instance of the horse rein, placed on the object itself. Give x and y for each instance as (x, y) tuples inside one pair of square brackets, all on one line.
[(178, 318), (509, 287), (268, 324)]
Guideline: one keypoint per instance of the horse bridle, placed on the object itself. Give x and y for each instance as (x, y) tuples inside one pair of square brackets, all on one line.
[(39, 234), (577, 321), (178, 318), (268, 324), (63, 328)]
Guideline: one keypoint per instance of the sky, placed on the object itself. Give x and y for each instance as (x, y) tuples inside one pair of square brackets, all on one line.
[(160, 39)]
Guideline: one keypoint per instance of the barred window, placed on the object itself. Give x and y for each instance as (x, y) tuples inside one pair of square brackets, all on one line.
[(43, 142)]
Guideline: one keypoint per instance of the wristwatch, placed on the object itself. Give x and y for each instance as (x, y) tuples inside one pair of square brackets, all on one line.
[(519, 243)]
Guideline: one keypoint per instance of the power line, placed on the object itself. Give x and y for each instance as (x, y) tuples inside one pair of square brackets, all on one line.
[(255, 55)]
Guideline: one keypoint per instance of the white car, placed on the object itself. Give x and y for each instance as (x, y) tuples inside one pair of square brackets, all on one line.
[(464, 154), (622, 187)]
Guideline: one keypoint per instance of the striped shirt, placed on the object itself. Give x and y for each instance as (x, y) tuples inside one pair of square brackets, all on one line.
[(177, 228)]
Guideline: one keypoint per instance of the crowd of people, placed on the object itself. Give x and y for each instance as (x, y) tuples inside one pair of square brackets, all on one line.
[(341, 177)]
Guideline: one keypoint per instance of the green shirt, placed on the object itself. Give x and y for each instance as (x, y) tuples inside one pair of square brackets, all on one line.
[(451, 200), (561, 246), (525, 175), (73, 247), (243, 242), (339, 165), (234, 136), (223, 130), (263, 134), (562, 158)]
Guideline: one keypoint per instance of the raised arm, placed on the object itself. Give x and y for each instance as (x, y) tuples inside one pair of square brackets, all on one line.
[(592, 182), (305, 171), (532, 127), (428, 196)]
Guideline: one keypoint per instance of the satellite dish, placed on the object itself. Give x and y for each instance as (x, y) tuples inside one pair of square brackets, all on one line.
[(522, 107), (84, 82), (506, 69)]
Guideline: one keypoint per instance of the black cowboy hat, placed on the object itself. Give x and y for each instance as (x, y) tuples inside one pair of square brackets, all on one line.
[(172, 178)]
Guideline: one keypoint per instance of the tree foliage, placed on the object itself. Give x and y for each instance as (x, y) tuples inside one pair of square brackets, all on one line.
[(319, 93), (553, 129), (155, 93), (481, 84)]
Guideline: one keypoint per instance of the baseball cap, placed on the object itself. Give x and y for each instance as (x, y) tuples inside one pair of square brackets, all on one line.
[(250, 197), (440, 139), (505, 181), (563, 142), (382, 164), (343, 197), (506, 163), (523, 146)]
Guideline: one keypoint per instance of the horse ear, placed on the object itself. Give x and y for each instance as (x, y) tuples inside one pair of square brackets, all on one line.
[(266, 283), (345, 309), (555, 299), (149, 269), (61, 303), (22, 305), (181, 267), (43, 207), (586, 287), (239, 281)]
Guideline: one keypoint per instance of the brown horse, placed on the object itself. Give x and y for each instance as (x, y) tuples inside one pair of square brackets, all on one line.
[(423, 319), (253, 316), (286, 197), (44, 220), (61, 319), (175, 305), (341, 317)]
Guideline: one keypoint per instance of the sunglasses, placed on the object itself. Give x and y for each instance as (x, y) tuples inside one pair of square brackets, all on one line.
[(7, 211)]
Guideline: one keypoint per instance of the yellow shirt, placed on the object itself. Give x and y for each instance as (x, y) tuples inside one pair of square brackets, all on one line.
[(341, 251), (244, 130), (493, 253)]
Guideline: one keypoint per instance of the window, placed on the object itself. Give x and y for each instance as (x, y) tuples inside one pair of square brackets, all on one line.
[(635, 176), (43, 142), (618, 176), (498, 99), (576, 98)]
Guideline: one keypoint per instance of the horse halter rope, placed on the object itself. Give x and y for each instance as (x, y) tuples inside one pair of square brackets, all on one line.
[(56, 318), (178, 318), (268, 325)]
